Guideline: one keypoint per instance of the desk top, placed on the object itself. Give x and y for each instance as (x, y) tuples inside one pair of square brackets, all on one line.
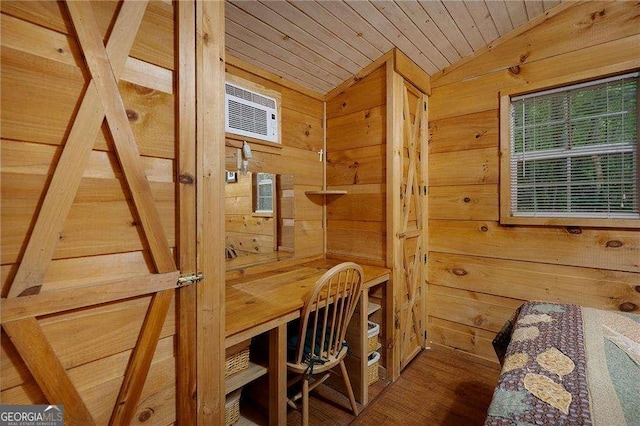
[(263, 297)]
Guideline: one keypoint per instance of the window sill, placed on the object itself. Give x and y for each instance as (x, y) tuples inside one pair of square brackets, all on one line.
[(571, 222), (261, 214)]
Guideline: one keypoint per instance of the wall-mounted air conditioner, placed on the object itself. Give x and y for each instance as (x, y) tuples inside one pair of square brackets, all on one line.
[(250, 114)]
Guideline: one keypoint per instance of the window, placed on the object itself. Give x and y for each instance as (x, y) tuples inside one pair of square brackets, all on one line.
[(572, 154), (263, 189)]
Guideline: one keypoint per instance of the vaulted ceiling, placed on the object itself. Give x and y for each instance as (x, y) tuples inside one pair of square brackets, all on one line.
[(319, 44)]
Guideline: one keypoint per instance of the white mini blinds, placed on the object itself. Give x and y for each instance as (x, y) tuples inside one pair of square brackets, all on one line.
[(574, 151)]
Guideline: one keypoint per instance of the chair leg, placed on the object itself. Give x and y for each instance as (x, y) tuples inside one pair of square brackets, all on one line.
[(305, 402), (347, 383)]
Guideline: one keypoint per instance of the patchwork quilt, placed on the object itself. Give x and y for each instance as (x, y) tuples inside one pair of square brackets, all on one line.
[(567, 365)]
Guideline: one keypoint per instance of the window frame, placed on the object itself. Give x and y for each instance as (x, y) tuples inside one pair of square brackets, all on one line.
[(255, 184), (506, 216)]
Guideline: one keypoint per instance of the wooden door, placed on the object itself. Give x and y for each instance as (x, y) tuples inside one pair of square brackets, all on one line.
[(89, 269), (409, 195)]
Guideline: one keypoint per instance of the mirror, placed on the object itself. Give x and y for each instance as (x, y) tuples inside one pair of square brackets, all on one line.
[(259, 212)]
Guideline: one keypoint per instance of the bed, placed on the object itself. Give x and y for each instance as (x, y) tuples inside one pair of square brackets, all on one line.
[(565, 365)]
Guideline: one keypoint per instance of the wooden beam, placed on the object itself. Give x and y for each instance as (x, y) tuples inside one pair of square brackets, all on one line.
[(423, 116), (411, 72), (210, 200), (73, 161), (52, 302), (141, 358), (126, 149), (186, 372), (148, 75), (47, 370), (277, 374), (394, 87)]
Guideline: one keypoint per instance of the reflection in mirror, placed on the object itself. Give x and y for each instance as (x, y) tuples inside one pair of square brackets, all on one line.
[(259, 212)]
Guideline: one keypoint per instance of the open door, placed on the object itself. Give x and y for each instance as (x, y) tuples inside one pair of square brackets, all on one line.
[(89, 259)]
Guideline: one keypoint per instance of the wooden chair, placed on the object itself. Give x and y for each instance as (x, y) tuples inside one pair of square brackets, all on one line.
[(320, 343)]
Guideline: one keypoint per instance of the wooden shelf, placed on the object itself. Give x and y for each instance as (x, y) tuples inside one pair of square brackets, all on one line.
[(244, 421), (241, 378), (327, 192), (373, 307)]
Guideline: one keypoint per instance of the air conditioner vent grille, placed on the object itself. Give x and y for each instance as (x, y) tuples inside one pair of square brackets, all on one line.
[(247, 118), (239, 92)]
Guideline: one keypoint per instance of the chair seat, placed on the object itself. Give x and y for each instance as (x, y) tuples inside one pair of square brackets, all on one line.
[(319, 367)]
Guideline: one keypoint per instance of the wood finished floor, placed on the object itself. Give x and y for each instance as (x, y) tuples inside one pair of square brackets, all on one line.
[(437, 388)]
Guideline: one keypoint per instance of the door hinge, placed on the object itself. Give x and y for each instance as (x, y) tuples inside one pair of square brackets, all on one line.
[(425, 259), (190, 279)]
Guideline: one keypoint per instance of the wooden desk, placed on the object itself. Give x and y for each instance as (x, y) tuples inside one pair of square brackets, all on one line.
[(266, 302)]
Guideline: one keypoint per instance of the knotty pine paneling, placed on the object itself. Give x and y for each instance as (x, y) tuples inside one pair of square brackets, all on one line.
[(462, 133), (599, 288), (367, 93), (357, 129), (302, 130), (309, 238), (356, 162), (464, 202), (479, 270), (483, 311), (39, 97), (471, 340), (356, 166), (355, 242), (586, 247), (472, 167), (360, 207)]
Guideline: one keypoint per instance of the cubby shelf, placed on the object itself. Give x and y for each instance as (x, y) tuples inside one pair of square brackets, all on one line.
[(241, 378), (373, 307), (327, 192)]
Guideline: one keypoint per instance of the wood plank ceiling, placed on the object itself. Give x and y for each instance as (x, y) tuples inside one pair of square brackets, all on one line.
[(319, 44)]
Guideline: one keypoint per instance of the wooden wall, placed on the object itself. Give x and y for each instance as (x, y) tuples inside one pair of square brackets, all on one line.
[(302, 137), (43, 80), (480, 271), (356, 162)]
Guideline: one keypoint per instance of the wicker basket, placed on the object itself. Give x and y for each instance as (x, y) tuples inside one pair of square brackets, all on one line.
[(232, 408), (372, 336), (237, 358), (372, 367)]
